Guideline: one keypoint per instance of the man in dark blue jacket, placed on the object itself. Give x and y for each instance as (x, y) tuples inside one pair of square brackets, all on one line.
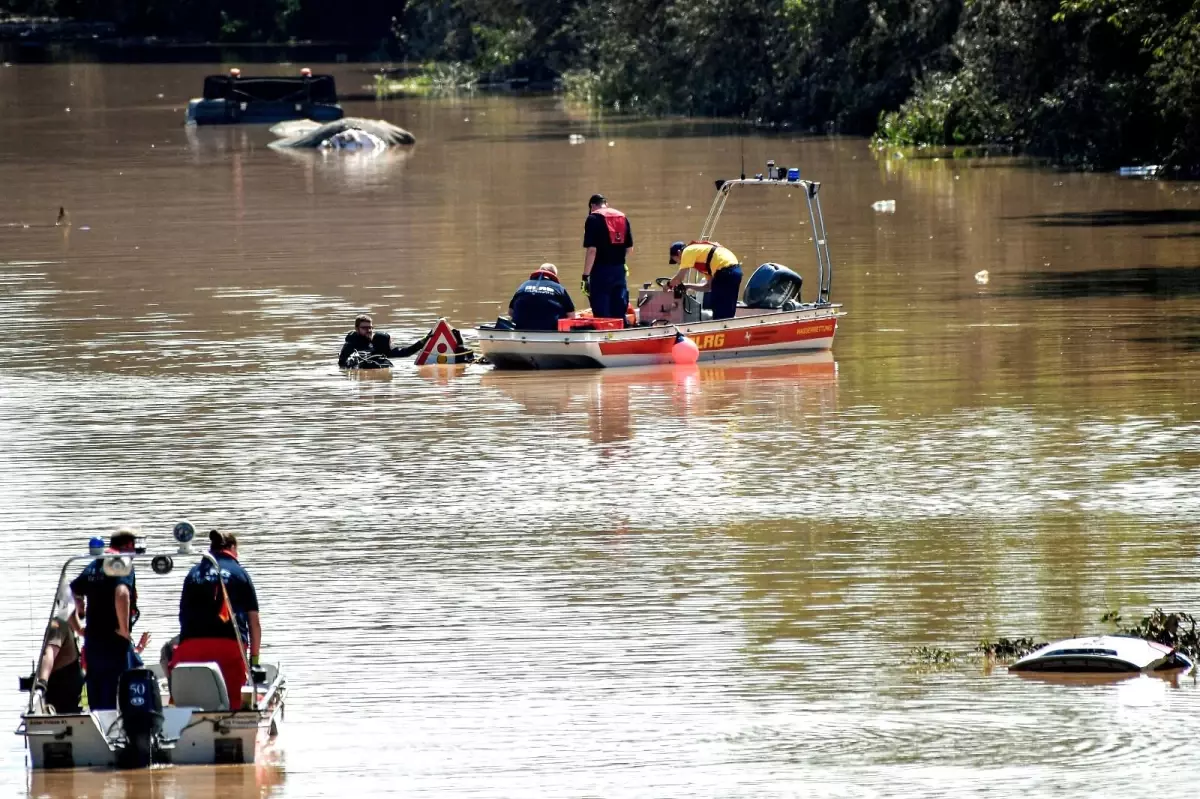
[(212, 602), (108, 606), (541, 301)]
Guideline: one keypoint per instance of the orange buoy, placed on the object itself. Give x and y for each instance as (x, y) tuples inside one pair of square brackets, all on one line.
[(685, 350)]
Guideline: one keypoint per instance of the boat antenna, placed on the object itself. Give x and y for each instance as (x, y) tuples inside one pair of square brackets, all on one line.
[(742, 142)]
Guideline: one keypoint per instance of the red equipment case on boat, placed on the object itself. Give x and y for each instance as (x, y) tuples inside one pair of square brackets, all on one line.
[(590, 323)]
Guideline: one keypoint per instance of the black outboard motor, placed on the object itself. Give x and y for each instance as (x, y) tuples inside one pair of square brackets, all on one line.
[(140, 703), (773, 286)]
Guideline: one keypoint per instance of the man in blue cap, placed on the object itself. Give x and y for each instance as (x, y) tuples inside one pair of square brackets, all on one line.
[(676, 251)]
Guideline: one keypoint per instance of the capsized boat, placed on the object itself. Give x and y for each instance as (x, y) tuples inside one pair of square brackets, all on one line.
[(1103, 653), (771, 319), (233, 99), (183, 718)]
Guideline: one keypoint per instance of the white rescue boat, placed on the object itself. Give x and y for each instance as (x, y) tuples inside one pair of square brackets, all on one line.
[(770, 320), (183, 719)]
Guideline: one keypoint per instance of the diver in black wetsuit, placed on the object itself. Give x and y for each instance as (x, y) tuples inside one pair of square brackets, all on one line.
[(366, 349)]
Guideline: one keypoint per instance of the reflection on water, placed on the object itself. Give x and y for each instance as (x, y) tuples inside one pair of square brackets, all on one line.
[(644, 582), (352, 170), (237, 782), (692, 390)]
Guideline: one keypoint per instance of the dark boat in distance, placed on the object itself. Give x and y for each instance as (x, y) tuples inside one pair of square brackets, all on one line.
[(235, 100)]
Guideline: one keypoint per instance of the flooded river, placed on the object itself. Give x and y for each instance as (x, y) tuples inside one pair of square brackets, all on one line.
[(657, 582)]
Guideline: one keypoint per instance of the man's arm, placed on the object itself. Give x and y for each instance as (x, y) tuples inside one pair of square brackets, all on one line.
[(122, 603), (588, 260), (347, 351), (411, 349), (81, 606), (55, 638), (255, 633)]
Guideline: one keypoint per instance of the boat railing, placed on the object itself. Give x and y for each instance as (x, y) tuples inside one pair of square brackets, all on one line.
[(815, 216)]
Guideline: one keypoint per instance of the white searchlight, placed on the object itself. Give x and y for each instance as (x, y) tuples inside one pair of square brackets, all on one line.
[(118, 565), (184, 532)]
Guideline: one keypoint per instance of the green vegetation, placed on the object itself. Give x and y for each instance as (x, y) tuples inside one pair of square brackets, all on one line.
[(432, 78), (931, 658), (1090, 83), (1008, 648), (1176, 630)]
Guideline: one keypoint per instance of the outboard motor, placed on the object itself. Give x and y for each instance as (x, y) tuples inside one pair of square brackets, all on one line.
[(140, 704), (772, 286)]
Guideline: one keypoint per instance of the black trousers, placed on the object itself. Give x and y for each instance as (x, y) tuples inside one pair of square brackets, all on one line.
[(64, 687)]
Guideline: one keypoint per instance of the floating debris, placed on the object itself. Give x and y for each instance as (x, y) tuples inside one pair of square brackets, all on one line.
[(576, 138), (1008, 648), (981, 276), (1176, 630), (932, 656), (1140, 171), (885, 206)]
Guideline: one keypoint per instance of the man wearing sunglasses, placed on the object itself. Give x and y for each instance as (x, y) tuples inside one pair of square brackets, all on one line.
[(364, 339)]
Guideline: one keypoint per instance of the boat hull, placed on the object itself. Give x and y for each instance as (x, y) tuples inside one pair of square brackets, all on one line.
[(190, 735), (78, 741), (809, 329)]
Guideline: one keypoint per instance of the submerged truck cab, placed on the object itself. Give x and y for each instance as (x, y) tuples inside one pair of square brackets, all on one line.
[(233, 99)]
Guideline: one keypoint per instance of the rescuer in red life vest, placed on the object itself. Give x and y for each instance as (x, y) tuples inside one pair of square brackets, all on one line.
[(607, 238)]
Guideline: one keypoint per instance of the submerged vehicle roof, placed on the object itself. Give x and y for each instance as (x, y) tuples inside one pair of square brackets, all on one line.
[(274, 88), (1103, 653)]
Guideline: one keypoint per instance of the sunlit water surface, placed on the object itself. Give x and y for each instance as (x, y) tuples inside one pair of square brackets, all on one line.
[(667, 582)]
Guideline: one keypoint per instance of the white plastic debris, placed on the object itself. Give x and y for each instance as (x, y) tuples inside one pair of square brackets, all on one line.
[(353, 139), (885, 206), (576, 138), (981, 276), (1139, 171)]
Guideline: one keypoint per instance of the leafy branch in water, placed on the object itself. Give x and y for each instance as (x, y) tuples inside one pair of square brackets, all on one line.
[(1008, 648), (1176, 630), (932, 657)]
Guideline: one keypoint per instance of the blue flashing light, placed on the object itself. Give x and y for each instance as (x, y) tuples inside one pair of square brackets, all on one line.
[(793, 174), (95, 546)]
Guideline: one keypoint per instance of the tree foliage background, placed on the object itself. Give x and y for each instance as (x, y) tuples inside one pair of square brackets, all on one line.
[(1086, 82)]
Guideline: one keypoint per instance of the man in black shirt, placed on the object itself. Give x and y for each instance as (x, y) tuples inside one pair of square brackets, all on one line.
[(108, 605), (607, 238)]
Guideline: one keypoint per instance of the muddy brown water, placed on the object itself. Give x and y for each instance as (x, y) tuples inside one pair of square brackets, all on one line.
[(639, 583)]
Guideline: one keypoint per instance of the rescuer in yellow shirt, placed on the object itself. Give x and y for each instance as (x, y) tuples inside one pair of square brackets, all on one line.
[(723, 271)]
